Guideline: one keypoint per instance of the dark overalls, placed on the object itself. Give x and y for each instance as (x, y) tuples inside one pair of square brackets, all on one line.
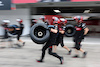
[(60, 38), (52, 41), (79, 35), (19, 32)]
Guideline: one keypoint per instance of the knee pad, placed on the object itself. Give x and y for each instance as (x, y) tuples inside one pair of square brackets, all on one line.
[(17, 38), (77, 45), (62, 44), (49, 52), (78, 48)]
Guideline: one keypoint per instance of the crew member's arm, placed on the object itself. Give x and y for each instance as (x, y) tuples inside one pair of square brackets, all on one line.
[(86, 31), (17, 28), (53, 30), (85, 28), (62, 31)]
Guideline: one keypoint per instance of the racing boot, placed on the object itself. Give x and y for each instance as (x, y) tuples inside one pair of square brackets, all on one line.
[(69, 53), (84, 54), (61, 60), (76, 56), (39, 61)]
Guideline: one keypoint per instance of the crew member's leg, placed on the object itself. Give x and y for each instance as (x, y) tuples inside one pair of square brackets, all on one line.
[(55, 55), (43, 52), (55, 48), (6, 34), (78, 48), (18, 38), (56, 44), (62, 44), (84, 52), (69, 50)]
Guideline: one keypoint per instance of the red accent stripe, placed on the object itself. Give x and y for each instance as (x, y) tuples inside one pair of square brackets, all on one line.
[(24, 1), (79, 42), (83, 0), (5, 28), (13, 8), (50, 47), (78, 28)]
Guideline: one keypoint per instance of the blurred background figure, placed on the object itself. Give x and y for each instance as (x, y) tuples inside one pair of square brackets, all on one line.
[(33, 21), (20, 30), (44, 19), (5, 25)]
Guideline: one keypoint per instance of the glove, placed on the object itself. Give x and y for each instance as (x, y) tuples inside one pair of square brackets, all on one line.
[(82, 37)]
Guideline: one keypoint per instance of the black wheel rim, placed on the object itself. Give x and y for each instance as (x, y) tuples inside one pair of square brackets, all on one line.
[(39, 32)]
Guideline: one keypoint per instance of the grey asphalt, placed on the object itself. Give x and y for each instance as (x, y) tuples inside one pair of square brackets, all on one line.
[(27, 55)]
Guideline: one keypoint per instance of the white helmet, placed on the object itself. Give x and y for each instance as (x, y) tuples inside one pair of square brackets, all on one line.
[(19, 20), (55, 18), (5, 21)]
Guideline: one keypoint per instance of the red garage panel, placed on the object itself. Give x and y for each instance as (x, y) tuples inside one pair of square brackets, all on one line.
[(93, 22), (35, 1), (24, 1), (83, 0)]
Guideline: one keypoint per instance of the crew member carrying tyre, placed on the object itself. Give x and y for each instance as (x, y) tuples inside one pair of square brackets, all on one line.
[(81, 31), (20, 30), (52, 41), (5, 25)]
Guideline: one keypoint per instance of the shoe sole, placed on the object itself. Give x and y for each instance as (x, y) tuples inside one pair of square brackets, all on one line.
[(84, 57), (69, 54), (75, 57), (38, 61)]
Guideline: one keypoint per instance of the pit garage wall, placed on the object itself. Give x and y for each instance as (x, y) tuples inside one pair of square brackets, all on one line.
[(12, 15)]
